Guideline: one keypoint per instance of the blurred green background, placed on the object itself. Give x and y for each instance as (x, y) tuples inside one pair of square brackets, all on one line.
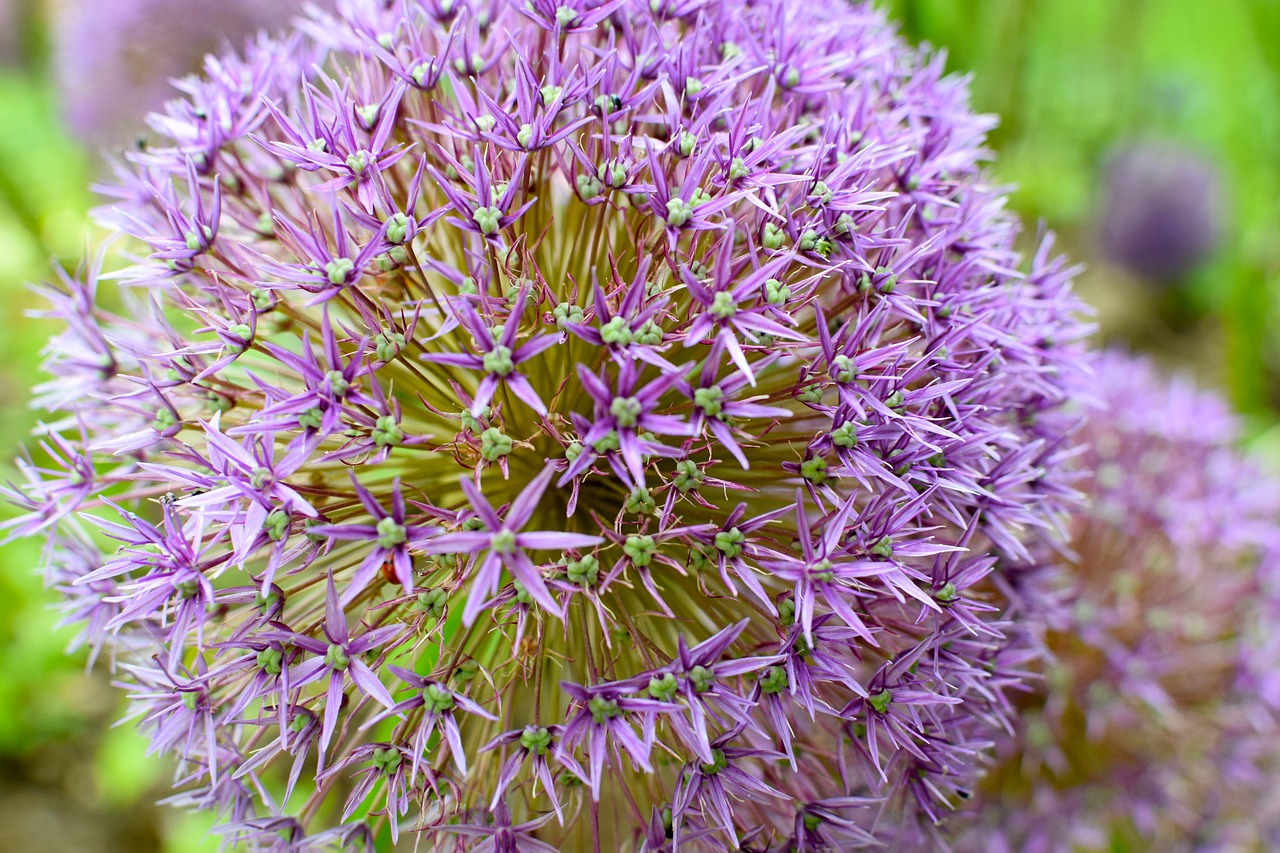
[(1074, 81)]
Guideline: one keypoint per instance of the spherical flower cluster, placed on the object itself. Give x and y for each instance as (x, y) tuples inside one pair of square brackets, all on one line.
[(594, 426), (1157, 724)]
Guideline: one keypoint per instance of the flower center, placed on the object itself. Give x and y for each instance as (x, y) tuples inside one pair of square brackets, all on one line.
[(336, 657), (663, 688), (536, 739), (436, 699), (504, 542), (718, 762), (723, 305), (602, 710), (626, 411), (391, 533), (880, 701), (386, 760), (498, 361)]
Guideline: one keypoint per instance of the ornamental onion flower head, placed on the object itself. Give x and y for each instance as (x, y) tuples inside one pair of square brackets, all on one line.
[(594, 426), (1156, 726)]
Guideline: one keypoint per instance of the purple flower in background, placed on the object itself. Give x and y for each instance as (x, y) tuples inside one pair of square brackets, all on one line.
[(114, 58), (537, 745), (699, 677), (12, 28), (1162, 209), (644, 385), (503, 837), (1158, 719), (623, 423), (384, 764), (714, 785)]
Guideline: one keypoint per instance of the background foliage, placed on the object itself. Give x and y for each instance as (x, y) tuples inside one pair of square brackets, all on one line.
[(1072, 80)]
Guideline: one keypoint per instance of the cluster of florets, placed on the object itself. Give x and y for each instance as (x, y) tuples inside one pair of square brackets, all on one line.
[(1157, 723), (593, 426)]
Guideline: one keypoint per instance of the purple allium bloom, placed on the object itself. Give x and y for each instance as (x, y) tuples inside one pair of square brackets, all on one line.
[(501, 836), (1157, 726), (498, 357), (439, 707), (387, 763), (707, 788), (337, 659), (392, 539), (507, 544), (1162, 209), (645, 385)]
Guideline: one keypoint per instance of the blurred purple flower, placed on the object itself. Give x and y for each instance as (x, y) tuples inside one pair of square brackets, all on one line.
[(114, 59), (12, 28), (1162, 209), (1157, 725)]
